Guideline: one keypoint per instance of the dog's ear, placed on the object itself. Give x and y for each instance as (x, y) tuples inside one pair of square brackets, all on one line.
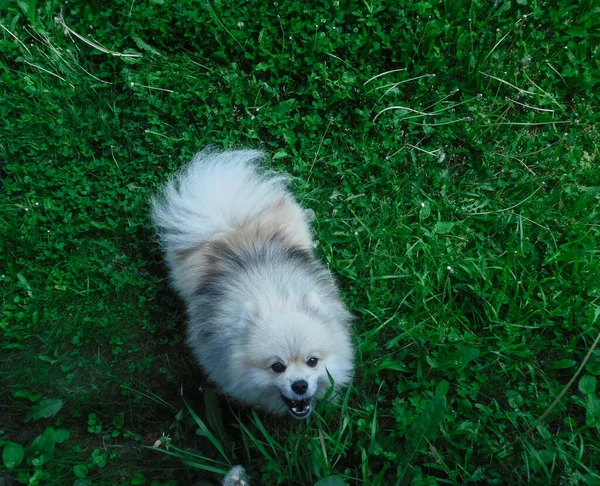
[(311, 301), (250, 312)]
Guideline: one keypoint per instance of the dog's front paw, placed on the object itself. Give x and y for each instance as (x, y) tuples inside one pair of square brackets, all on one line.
[(236, 477)]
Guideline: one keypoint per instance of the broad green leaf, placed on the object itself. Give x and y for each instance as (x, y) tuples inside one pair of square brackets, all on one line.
[(29, 8), (563, 364), (592, 415), (593, 364), (443, 227), (425, 211), (99, 458), (457, 359), (32, 397), (577, 31), (62, 435), (139, 478), (442, 388), (284, 107), (46, 408), (515, 399), (426, 426), (12, 455), (587, 384), (80, 471)]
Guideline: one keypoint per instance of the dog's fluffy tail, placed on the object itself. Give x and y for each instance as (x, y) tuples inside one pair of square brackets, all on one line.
[(213, 194)]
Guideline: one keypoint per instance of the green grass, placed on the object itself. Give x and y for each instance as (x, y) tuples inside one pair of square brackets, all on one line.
[(450, 152)]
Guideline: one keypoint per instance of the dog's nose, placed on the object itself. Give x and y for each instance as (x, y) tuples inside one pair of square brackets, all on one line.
[(299, 387)]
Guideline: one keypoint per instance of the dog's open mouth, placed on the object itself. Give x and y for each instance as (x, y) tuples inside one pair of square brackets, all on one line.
[(298, 408)]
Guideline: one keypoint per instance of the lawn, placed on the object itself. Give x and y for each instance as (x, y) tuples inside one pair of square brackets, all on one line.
[(451, 153)]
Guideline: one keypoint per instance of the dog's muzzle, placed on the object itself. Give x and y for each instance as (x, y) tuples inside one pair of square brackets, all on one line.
[(298, 408)]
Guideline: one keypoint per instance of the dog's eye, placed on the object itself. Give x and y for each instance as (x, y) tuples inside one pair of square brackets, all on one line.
[(312, 362), (278, 368)]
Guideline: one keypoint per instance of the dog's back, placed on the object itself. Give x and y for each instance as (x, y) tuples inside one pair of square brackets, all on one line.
[(223, 199)]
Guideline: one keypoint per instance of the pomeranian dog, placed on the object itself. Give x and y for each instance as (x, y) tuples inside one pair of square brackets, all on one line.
[(266, 321)]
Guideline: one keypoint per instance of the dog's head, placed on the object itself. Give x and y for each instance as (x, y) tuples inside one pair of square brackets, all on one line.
[(291, 355)]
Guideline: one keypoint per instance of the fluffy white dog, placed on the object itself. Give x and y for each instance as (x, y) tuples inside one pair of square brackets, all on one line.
[(265, 318)]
